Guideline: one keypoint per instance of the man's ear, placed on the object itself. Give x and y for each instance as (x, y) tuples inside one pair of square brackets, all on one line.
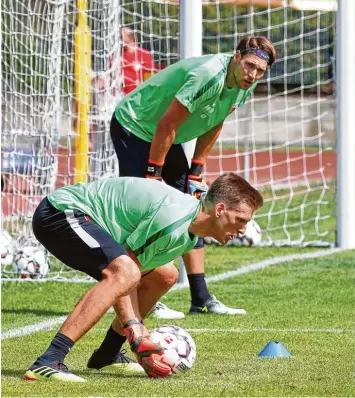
[(237, 56), (219, 209)]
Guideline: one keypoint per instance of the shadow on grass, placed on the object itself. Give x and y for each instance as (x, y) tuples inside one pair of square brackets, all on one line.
[(12, 373), (86, 374), (27, 311)]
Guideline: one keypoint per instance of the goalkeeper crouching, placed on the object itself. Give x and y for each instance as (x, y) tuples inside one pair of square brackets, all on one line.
[(118, 230)]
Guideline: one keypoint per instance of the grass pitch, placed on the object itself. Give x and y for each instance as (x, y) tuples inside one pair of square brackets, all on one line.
[(308, 305)]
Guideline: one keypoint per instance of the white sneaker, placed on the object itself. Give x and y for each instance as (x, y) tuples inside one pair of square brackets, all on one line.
[(161, 311), (214, 306)]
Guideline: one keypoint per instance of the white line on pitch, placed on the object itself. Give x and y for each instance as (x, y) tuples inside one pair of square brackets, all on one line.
[(296, 330), (261, 265), (256, 330), (37, 327), (26, 330)]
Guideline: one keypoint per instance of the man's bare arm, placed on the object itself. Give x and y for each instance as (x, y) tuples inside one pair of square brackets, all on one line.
[(124, 310), (126, 307), (164, 137), (205, 143)]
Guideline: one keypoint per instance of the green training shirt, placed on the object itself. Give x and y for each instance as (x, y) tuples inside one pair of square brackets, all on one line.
[(152, 218), (198, 83)]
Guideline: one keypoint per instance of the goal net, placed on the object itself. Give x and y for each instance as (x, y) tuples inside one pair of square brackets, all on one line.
[(282, 140)]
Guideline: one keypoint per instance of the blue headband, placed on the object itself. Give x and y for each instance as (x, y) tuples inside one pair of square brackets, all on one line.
[(264, 55)]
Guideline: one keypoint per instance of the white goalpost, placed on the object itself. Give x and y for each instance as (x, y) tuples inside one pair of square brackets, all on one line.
[(283, 140), (346, 126)]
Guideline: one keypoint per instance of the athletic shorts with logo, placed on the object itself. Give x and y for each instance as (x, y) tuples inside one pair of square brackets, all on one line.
[(74, 239)]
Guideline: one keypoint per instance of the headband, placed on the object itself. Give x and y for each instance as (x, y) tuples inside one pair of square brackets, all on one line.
[(264, 55)]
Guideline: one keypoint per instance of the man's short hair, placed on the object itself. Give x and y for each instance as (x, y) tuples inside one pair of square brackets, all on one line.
[(233, 190), (257, 43)]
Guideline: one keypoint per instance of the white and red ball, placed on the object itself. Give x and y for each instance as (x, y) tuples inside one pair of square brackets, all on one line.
[(251, 237), (6, 247), (179, 347), (31, 262)]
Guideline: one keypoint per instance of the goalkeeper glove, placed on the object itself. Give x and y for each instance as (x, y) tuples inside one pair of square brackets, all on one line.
[(149, 355), (196, 186), (154, 170)]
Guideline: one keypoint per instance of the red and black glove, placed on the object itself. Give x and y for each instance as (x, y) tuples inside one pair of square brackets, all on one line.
[(196, 186), (149, 355), (154, 170)]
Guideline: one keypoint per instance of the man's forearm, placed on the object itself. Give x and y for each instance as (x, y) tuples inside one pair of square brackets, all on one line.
[(165, 134), (205, 143), (162, 141), (124, 309)]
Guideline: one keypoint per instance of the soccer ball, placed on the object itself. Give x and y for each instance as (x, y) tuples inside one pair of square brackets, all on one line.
[(179, 347), (7, 248), (31, 262), (251, 237)]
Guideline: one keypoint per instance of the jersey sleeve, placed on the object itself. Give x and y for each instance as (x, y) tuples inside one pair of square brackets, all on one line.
[(154, 254), (139, 238), (150, 249), (150, 230), (200, 85), (159, 241), (164, 251)]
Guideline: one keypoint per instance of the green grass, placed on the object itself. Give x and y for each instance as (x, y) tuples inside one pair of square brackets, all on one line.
[(281, 300)]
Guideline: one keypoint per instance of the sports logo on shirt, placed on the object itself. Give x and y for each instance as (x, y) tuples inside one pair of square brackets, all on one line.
[(209, 109)]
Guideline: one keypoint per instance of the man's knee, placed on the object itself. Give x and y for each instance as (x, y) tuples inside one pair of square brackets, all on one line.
[(123, 271), (166, 276)]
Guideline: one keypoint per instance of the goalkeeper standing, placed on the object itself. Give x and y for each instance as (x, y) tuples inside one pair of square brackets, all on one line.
[(189, 99)]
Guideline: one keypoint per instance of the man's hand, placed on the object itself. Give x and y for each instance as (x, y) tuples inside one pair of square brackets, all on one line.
[(149, 355), (196, 186)]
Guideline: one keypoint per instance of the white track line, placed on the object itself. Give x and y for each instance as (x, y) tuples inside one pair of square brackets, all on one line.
[(261, 265), (48, 324), (257, 330), (296, 330), (37, 327)]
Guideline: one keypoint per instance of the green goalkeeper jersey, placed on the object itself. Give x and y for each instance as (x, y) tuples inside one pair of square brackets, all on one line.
[(198, 83), (150, 217)]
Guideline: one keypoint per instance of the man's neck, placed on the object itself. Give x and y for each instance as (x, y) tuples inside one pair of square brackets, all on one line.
[(199, 225)]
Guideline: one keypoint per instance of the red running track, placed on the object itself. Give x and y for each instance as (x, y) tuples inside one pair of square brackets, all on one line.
[(21, 195)]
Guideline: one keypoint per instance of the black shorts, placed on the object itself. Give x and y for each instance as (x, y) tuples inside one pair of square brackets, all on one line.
[(133, 154), (74, 239)]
